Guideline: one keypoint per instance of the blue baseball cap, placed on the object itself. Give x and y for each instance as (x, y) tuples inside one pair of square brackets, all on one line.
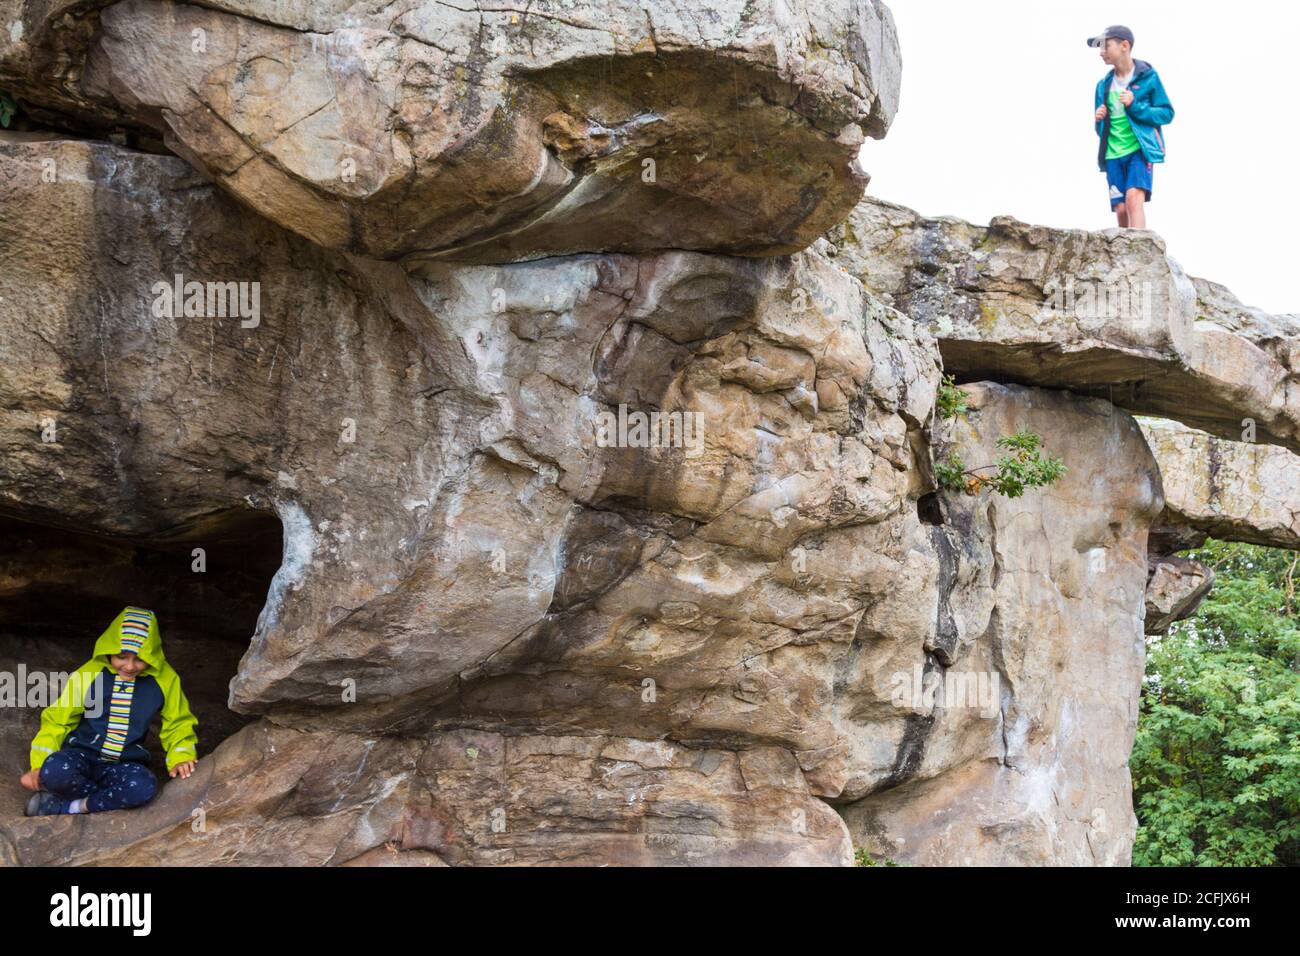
[(1112, 33)]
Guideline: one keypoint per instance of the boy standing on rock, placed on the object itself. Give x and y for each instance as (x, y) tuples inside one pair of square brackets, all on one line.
[(1131, 106)]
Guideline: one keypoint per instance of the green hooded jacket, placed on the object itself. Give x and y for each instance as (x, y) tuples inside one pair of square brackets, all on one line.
[(158, 686)]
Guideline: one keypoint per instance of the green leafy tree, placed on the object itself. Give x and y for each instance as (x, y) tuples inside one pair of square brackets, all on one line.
[(1216, 763)]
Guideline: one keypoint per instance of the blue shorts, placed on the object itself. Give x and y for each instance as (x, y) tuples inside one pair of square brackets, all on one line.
[(1125, 173)]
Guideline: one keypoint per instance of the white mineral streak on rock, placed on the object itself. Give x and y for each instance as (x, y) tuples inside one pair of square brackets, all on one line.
[(300, 543)]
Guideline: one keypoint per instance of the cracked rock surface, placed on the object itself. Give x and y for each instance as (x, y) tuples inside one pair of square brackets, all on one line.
[(452, 130), (475, 559), (554, 514), (1104, 313)]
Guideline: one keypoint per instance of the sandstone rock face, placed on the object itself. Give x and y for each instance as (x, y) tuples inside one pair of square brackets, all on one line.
[(1233, 491), (1045, 781), (474, 533), (507, 505), (433, 130), (715, 634), (1105, 313), (1175, 590), (277, 796), (475, 429)]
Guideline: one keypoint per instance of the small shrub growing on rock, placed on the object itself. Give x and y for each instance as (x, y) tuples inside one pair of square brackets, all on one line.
[(949, 400), (863, 858), (950, 472), (1024, 466)]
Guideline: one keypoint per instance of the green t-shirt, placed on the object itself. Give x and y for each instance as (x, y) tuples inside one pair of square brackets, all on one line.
[(1122, 139)]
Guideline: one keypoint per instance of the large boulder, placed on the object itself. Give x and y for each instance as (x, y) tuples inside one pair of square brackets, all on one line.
[(1175, 590), (436, 448), (463, 521), (433, 130)]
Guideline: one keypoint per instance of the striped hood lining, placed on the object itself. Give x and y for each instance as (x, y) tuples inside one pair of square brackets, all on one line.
[(135, 629)]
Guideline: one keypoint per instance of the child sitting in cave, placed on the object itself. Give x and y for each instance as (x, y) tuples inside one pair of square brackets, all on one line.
[(90, 753)]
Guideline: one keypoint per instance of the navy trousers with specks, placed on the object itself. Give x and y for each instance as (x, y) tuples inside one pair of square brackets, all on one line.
[(107, 784)]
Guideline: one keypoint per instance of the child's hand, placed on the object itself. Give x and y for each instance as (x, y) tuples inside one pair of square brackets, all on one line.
[(184, 769), (32, 780), (1126, 97), (1101, 112)]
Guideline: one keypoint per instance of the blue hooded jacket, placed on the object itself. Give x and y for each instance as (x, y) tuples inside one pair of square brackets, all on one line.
[(1149, 111)]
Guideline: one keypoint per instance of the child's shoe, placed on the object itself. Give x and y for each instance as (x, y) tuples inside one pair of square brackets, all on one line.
[(42, 803)]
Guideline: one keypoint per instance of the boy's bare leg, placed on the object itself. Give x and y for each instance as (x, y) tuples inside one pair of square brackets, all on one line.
[(1135, 203), (1122, 213)]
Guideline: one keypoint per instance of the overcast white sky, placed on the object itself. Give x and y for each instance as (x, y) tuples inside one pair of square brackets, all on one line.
[(996, 118)]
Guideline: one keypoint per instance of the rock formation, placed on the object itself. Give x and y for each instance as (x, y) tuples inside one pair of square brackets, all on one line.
[(1104, 313), (1039, 780), (552, 514), (1175, 590), (1235, 491), (432, 131)]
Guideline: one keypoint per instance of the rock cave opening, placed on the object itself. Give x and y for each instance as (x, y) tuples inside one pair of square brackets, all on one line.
[(60, 588), (930, 509)]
